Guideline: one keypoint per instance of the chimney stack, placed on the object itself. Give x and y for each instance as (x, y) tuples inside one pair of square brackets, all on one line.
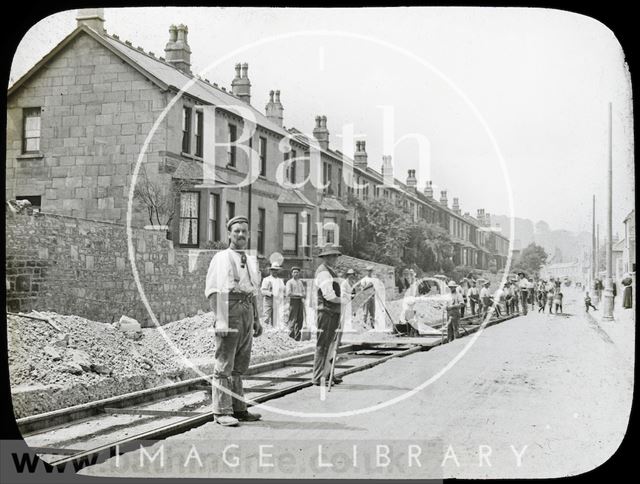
[(92, 18), (456, 206), (274, 109), (480, 216), (443, 197), (412, 181), (321, 133), (177, 51), (241, 86), (487, 219), (387, 171), (360, 156), (428, 189)]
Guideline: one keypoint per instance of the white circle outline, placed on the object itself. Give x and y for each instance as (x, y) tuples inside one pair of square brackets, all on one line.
[(326, 33)]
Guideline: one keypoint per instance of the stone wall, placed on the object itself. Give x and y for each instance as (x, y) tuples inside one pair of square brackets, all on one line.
[(79, 266)]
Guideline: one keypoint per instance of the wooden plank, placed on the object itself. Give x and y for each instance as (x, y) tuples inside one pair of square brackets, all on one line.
[(55, 450), (158, 413), (275, 378), (310, 365)]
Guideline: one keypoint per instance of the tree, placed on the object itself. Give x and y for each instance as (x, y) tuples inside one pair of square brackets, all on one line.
[(157, 199), (531, 259)]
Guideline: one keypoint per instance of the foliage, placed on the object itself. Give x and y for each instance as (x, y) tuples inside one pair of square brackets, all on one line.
[(158, 199), (216, 245), (531, 259), (387, 234)]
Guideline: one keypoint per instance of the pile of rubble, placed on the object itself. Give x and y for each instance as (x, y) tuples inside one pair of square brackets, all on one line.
[(58, 360)]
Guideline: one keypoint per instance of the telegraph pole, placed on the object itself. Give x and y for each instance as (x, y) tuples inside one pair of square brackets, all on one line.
[(593, 246), (608, 290)]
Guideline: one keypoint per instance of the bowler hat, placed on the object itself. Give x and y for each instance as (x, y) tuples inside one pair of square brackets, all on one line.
[(452, 283), (275, 267), (351, 272), (329, 250)]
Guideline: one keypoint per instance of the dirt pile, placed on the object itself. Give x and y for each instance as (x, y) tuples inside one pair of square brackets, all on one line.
[(73, 360)]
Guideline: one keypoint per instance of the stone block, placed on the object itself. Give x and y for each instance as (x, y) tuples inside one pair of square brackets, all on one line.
[(68, 121)]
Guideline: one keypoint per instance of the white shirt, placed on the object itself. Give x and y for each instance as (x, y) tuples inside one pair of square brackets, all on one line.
[(484, 292), (272, 286), (473, 291), (220, 276), (294, 288), (324, 281), (367, 281), (523, 283)]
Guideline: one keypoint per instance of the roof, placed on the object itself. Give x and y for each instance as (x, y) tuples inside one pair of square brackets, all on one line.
[(631, 216), (294, 197), (332, 204), (192, 170), (163, 74), (619, 245)]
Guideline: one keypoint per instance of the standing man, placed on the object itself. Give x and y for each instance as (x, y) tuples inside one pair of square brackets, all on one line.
[(454, 305), (485, 297), (367, 282), (523, 284), (294, 290), (348, 291), (232, 287), (474, 297), (270, 292), (329, 310)]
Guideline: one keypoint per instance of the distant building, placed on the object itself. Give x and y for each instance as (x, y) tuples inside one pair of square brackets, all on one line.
[(629, 249)]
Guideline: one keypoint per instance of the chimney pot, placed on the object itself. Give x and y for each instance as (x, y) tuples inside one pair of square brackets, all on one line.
[(274, 110), (177, 51), (92, 18), (241, 86), (321, 133)]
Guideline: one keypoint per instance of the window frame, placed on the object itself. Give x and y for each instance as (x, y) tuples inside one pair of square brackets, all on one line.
[(295, 233), (262, 153), (196, 218), (233, 151), (187, 114), (25, 116), (199, 134), (262, 221), (213, 223)]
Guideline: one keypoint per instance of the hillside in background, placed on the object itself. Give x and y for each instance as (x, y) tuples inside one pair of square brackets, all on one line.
[(562, 245)]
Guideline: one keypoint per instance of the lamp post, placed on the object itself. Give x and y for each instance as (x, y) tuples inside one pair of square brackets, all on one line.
[(608, 291)]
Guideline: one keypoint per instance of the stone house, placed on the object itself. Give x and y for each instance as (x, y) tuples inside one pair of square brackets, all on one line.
[(97, 110)]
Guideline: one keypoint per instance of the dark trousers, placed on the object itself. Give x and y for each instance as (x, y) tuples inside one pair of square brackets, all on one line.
[(232, 355), (327, 325), (507, 305), (473, 305), (524, 301), (370, 311), (452, 329), (464, 306), (296, 317)]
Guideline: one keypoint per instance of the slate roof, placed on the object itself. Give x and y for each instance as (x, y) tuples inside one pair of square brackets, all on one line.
[(294, 197)]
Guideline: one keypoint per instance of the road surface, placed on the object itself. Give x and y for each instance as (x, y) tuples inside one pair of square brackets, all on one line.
[(538, 396)]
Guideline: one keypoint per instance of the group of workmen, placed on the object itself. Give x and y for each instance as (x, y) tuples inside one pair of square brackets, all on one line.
[(232, 288), (514, 296), (275, 292)]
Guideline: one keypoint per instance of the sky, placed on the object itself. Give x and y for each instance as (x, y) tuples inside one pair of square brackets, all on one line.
[(486, 102)]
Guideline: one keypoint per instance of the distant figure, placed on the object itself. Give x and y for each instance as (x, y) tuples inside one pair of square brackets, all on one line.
[(542, 299), (627, 296), (295, 291), (523, 284), (474, 297), (485, 297), (557, 300), (365, 283), (272, 290), (550, 300), (587, 303), (453, 312)]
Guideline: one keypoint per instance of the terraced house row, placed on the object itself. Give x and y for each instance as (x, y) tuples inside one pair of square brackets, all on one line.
[(79, 119)]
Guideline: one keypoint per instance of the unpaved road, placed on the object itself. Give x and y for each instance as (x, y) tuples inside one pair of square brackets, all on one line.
[(556, 390)]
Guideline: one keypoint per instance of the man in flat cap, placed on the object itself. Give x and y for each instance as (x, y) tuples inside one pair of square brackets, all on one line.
[(348, 291), (272, 291), (454, 305), (295, 291), (523, 284), (368, 282), (231, 287), (330, 305)]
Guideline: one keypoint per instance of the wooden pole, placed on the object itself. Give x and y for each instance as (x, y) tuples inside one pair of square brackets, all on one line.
[(608, 292)]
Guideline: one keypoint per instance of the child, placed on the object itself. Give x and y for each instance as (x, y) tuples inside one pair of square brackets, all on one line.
[(541, 301), (587, 303), (550, 301), (558, 301)]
